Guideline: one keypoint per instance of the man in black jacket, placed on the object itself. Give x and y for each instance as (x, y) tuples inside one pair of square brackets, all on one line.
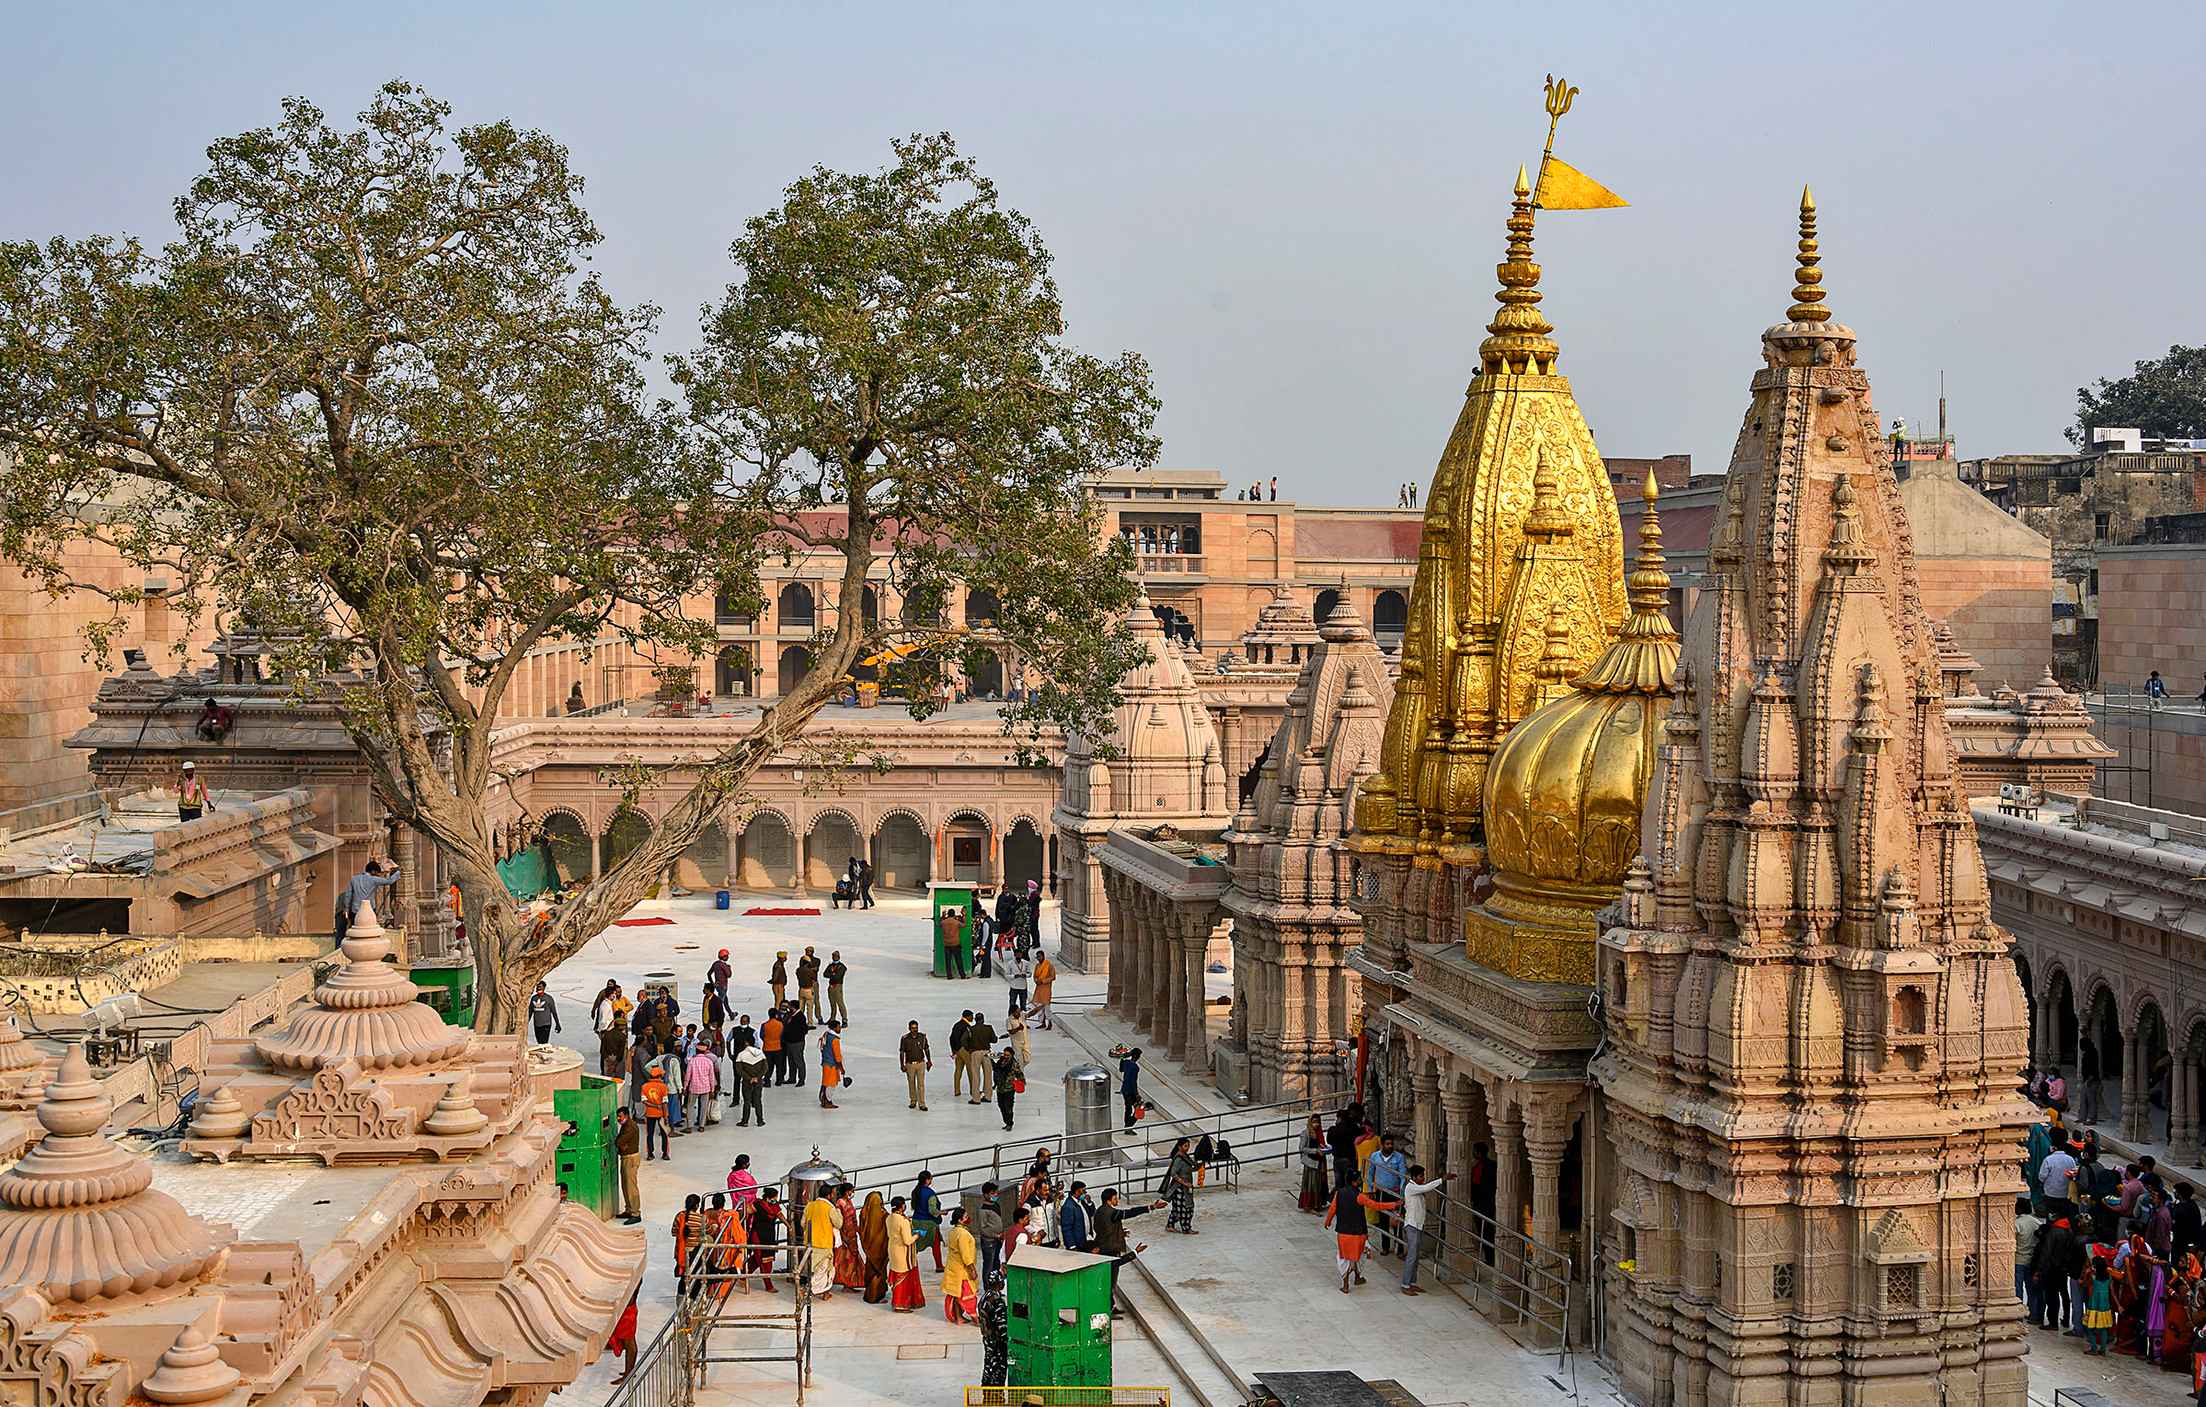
[(1110, 1233), (2184, 1218), (2058, 1260), (794, 1028)]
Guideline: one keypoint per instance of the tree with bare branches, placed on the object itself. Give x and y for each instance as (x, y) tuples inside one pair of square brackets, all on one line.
[(370, 399)]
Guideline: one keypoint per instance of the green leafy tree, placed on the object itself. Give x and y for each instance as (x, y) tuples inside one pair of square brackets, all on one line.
[(2164, 397), (370, 399)]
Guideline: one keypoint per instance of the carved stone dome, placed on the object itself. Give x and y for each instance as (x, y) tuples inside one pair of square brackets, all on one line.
[(81, 1221), (366, 1012)]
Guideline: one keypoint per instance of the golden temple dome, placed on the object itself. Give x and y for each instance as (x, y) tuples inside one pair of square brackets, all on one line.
[(1565, 791)]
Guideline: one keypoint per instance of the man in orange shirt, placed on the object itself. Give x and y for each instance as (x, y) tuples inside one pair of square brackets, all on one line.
[(769, 1040), (655, 1096)]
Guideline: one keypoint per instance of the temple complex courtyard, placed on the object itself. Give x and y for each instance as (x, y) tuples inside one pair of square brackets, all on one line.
[(1255, 1285)]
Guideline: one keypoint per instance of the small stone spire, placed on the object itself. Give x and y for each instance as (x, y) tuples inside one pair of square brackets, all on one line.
[(1807, 292), (79, 1219), (1519, 343), (190, 1371), (1846, 556)]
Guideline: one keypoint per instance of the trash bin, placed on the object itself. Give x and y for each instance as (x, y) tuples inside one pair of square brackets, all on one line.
[(720, 898), (1087, 1114)]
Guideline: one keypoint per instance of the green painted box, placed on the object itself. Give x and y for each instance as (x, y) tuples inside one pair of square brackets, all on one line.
[(588, 1111), (1060, 1304), (449, 991), (965, 898)]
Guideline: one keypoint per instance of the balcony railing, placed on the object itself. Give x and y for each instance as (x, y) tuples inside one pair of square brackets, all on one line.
[(1160, 563)]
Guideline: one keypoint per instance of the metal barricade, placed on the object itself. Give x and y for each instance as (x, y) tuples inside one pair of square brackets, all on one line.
[(1068, 1397)]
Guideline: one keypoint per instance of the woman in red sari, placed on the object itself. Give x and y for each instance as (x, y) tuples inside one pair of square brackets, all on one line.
[(2175, 1334), (2132, 1298)]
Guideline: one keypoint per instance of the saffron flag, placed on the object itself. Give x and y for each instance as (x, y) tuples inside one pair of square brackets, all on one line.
[(1564, 187)]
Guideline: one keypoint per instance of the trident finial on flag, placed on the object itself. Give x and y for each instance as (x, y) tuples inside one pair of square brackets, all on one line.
[(1563, 186)]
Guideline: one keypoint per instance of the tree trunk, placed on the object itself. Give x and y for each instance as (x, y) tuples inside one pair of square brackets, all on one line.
[(498, 930)]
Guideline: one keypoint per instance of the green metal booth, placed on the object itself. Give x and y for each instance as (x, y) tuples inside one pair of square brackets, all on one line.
[(1060, 1303), (964, 897)]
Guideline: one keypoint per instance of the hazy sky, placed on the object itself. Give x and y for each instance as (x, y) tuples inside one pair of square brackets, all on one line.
[(1294, 211)]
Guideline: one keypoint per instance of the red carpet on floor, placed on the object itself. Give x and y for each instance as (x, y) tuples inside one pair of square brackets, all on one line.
[(639, 922), (780, 913)]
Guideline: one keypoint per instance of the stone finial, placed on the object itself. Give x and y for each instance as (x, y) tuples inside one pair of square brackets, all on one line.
[(191, 1370), (220, 1115), (16, 1054), (1807, 291), (455, 1114), (81, 1221)]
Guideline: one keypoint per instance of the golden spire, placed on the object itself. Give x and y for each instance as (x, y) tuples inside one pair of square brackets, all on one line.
[(1643, 658), (1519, 343), (1807, 292), (1547, 522)]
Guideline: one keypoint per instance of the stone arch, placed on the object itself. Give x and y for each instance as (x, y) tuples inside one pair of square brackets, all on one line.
[(794, 607), (1326, 600), (792, 667), (967, 846), (981, 606), (572, 847), (2145, 1003), (827, 812), (625, 832), (831, 841), (985, 674), (1263, 554), (704, 863), (766, 851), (1389, 619), (2193, 1027), (2059, 1019), (901, 852), (1025, 857), (731, 671)]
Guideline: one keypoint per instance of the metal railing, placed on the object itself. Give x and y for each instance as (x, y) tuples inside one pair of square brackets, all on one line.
[(714, 1303), (1255, 1133), (1517, 1282)]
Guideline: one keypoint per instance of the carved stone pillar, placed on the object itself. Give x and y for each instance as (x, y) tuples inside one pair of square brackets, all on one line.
[(1508, 1195), (1133, 916), (1114, 1000), (2183, 1109), (1166, 991), (1424, 1120), (1299, 1036), (1546, 1143), (1193, 1047), (2136, 1111), (1462, 1257)]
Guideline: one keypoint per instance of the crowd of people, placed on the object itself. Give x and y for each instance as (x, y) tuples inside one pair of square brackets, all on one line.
[(2107, 1249)]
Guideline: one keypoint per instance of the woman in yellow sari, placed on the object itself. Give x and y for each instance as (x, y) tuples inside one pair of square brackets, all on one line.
[(961, 1262)]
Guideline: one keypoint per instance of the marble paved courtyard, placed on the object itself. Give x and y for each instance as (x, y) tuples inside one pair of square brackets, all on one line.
[(1256, 1284)]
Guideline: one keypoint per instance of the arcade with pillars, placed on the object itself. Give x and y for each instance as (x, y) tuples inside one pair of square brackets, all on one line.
[(2148, 1064), (801, 849), (1161, 947)]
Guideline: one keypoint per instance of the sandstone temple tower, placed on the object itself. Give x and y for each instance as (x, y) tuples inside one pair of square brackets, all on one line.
[(1814, 1031)]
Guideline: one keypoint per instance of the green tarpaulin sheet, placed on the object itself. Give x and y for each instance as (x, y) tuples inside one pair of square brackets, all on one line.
[(527, 874)]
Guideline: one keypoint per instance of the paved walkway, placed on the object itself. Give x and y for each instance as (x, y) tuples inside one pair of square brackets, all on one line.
[(863, 1354)]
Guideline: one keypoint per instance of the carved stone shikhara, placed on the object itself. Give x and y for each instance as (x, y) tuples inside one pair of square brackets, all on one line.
[(1814, 1029)]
